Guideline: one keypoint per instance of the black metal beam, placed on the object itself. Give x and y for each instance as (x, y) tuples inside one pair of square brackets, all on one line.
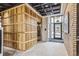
[(47, 8)]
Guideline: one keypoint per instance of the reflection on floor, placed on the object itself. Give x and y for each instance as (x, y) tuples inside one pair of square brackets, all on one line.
[(56, 40), (44, 49)]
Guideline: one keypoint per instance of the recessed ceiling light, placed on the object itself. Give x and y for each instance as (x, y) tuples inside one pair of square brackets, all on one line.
[(46, 5), (55, 3)]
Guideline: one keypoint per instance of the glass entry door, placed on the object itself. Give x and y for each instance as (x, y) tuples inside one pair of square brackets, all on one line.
[(55, 28), (57, 31)]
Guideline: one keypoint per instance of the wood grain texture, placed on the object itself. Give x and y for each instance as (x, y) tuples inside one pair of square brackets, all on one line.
[(20, 27)]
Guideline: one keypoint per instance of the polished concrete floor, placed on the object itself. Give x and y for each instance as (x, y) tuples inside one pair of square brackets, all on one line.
[(44, 49)]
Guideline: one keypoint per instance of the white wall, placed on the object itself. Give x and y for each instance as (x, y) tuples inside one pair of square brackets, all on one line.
[(45, 26)]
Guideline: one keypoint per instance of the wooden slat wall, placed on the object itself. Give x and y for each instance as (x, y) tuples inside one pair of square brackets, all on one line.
[(20, 27)]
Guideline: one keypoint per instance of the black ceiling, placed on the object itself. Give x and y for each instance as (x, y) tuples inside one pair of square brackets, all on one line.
[(43, 8), (4, 6), (47, 8)]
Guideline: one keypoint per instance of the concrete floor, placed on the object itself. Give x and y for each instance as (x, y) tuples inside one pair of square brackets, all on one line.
[(1, 54), (45, 49)]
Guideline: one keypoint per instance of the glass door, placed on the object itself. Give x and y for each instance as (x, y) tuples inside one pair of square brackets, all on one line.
[(52, 28), (55, 28), (57, 31)]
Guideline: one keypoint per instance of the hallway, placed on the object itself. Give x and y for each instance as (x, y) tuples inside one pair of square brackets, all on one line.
[(24, 25), (45, 49)]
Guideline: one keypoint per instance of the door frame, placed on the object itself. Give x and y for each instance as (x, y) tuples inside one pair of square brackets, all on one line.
[(54, 30)]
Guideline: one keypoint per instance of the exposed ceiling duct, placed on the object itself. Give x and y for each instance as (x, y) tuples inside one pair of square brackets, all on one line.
[(47, 8)]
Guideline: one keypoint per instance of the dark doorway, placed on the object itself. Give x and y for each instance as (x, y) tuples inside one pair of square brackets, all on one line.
[(39, 31), (0, 41)]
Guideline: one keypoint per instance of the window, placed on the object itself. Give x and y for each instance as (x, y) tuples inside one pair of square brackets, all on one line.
[(57, 19)]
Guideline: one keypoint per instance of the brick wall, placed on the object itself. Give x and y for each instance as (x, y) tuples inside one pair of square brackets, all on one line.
[(70, 38)]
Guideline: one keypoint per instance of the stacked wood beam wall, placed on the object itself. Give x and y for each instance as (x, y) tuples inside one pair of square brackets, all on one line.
[(20, 27)]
